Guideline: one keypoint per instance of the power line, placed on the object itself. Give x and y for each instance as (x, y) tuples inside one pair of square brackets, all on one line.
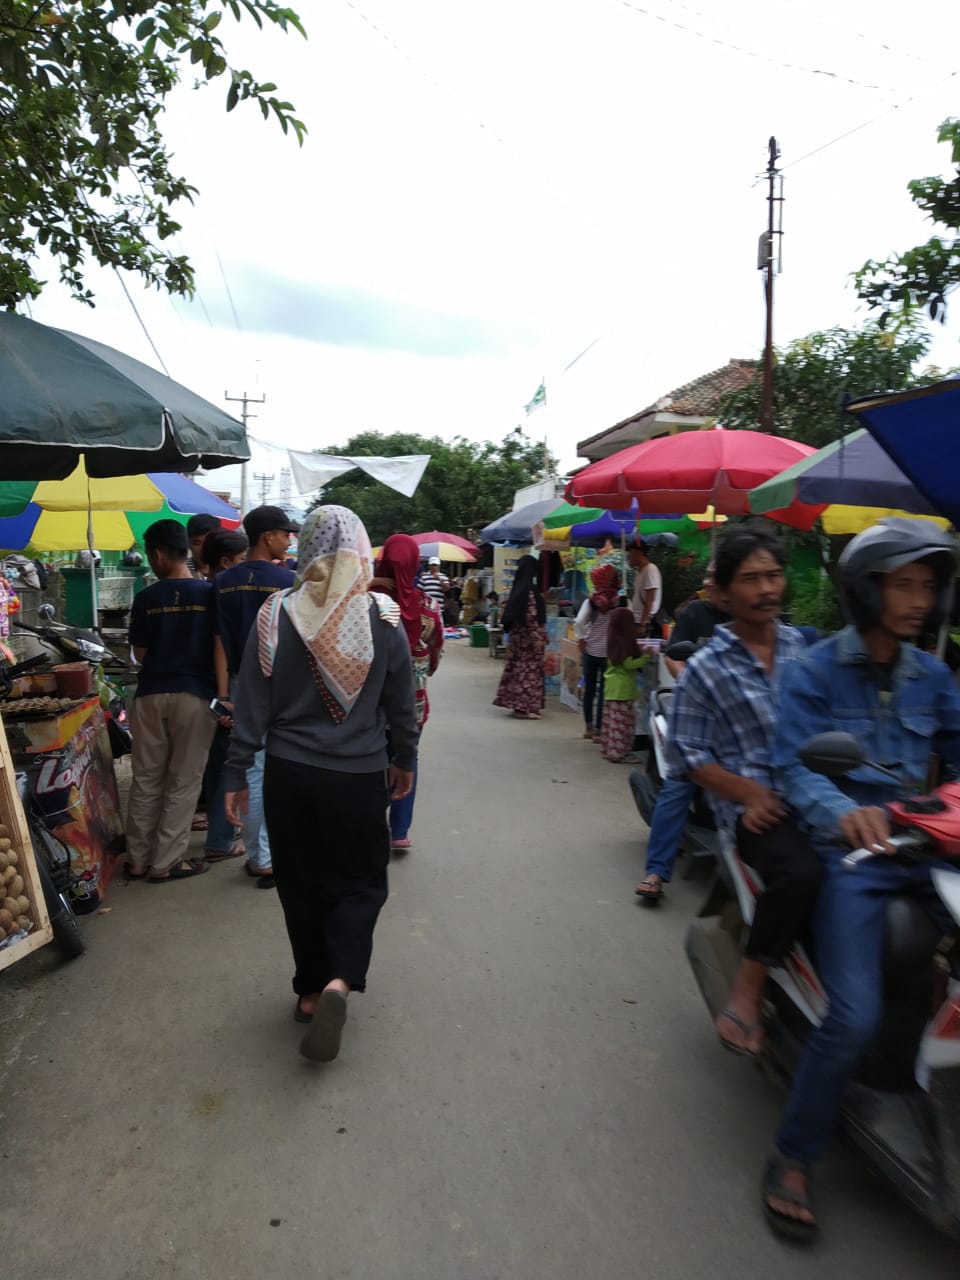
[(752, 53), (896, 106)]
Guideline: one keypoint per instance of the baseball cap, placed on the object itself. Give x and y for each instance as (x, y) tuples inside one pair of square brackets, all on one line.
[(434, 560), (263, 520)]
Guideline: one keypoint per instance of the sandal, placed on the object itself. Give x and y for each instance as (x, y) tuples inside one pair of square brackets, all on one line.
[(199, 822), (795, 1229), (650, 890), (129, 872), (222, 855), (299, 1015), (748, 1028), (322, 1042), (185, 870)]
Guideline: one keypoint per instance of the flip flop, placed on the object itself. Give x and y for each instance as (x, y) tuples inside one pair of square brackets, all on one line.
[(322, 1042), (648, 892), (299, 1015), (748, 1028), (221, 855), (179, 872), (782, 1224)]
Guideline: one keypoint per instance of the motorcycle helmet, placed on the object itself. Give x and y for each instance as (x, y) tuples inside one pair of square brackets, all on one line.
[(889, 544)]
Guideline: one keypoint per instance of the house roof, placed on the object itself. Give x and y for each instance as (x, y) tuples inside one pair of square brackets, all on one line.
[(699, 399)]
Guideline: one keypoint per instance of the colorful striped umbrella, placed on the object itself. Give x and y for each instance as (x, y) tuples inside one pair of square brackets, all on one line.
[(61, 515)]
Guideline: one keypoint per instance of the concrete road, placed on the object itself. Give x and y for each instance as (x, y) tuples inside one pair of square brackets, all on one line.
[(529, 1089)]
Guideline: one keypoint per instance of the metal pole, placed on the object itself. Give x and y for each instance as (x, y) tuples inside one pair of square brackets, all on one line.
[(766, 410), (244, 416)]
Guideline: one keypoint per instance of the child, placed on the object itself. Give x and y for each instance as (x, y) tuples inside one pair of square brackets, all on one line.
[(620, 686), (590, 627)]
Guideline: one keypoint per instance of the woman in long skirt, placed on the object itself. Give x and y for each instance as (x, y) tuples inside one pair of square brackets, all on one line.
[(326, 672), (524, 617)]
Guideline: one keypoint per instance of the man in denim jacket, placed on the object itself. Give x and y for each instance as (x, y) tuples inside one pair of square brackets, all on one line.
[(902, 705)]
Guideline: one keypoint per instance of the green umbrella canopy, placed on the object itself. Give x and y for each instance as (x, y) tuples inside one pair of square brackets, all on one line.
[(65, 396)]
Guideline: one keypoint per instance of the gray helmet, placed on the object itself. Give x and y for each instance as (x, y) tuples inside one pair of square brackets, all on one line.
[(889, 544)]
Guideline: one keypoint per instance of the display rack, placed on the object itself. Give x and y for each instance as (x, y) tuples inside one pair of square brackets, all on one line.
[(30, 927)]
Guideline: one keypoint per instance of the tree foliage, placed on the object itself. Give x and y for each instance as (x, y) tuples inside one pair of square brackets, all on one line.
[(84, 170), (922, 277), (465, 485), (814, 376)]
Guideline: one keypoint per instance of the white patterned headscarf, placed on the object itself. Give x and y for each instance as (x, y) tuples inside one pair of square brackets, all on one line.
[(329, 607)]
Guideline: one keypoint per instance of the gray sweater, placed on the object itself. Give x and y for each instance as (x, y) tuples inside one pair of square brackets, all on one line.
[(287, 712)]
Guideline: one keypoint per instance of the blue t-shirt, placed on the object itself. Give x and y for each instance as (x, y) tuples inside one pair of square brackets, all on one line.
[(173, 621), (240, 592)]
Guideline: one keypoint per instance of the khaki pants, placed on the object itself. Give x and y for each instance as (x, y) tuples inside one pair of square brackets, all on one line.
[(172, 733)]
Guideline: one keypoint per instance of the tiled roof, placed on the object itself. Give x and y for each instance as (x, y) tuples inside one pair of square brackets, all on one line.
[(697, 399), (701, 397)]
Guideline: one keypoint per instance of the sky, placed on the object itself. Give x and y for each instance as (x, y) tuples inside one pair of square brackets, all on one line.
[(490, 187)]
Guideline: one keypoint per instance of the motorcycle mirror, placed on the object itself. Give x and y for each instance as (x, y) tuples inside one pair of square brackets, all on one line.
[(46, 612), (681, 651), (833, 754)]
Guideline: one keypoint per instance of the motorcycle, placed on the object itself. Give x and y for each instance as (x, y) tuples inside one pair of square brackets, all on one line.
[(700, 838), (52, 859), (902, 1110)]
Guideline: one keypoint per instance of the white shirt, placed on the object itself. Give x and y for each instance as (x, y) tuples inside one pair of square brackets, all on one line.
[(645, 579)]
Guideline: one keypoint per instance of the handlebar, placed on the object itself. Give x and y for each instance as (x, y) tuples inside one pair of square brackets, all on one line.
[(902, 843)]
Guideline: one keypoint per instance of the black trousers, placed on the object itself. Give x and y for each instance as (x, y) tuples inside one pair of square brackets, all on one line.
[(792, 874), (330, 845)]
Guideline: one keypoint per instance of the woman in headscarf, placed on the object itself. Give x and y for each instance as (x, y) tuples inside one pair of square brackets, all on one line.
[(524, 617), (396, 573), (325, 673), (590, 627)]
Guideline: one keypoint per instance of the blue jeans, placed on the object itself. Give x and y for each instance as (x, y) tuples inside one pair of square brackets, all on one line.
[(666, 831), (254, 827), (219, 830), (850, 928), (593, 669), (401, 812)]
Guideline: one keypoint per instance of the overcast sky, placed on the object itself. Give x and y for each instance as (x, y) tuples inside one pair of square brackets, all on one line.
[(489, 186)]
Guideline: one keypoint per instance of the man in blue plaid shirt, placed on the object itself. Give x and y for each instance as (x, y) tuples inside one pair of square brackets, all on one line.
[(721, 737)]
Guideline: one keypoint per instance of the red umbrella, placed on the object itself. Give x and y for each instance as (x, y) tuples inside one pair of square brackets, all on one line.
[(688, 472), (435, 536)]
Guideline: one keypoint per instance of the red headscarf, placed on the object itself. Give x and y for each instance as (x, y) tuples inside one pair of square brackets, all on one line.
[(400, 560), (606, 580)]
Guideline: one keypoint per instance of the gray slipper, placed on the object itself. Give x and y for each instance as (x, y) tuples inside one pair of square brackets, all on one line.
[(322, 1042)]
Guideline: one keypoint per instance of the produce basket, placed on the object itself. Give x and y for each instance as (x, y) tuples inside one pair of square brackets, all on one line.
[(23, 913)]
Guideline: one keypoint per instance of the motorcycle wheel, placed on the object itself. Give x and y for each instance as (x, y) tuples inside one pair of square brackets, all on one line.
[(66, 930)]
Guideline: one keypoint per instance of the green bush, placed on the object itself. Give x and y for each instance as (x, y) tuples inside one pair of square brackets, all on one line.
[(815, 604)]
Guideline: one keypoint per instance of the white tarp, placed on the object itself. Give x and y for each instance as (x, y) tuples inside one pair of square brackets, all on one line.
[(313, 470)]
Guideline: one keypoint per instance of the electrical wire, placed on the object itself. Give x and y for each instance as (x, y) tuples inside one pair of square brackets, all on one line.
[(896, 106), (752, 53)]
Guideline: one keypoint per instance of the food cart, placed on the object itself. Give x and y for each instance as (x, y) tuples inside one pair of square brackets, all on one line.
[(63, 747)]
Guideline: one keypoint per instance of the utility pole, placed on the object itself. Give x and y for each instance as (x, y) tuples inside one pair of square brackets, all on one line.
[(265, 480), (769, 260), (244, 416)]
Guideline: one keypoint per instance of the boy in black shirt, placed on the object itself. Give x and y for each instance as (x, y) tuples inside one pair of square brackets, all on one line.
[(171, 632)]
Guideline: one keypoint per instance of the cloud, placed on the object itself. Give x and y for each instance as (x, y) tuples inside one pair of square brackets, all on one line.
[(346, 316)]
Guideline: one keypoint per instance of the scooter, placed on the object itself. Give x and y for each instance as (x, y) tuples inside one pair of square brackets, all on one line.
[(700, 838), (903, 1109)]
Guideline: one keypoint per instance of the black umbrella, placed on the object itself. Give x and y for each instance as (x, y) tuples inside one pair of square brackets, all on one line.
[(63, 396)]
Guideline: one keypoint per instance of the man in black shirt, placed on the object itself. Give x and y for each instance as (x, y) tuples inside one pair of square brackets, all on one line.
[(239, 594), (171, 633)]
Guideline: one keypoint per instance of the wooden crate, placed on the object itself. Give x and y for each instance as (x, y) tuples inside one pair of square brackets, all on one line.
[(14, 819)]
